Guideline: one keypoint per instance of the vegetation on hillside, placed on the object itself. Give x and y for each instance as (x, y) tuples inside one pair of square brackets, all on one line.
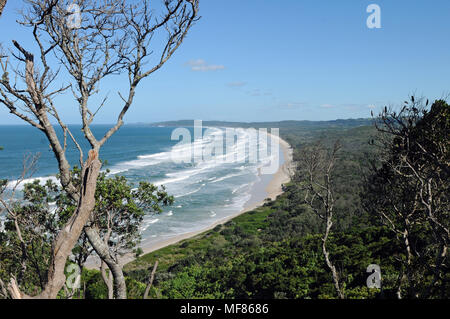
[(385, 203), (276, 251)]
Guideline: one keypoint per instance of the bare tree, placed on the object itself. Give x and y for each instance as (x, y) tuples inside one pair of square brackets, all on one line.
[(315, 177), (112, 38)]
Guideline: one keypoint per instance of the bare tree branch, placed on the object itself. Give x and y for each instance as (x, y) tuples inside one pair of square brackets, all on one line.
[(315, 178), (150, 280)]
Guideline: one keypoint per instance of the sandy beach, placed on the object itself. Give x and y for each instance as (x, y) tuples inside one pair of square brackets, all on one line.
[(271, 190)]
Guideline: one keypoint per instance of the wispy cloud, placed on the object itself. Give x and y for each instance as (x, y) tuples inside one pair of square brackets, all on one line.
[(236, 84), (200, 65), (258, 92), (327, 106), (291, 105), (358, 106), (254, 92)]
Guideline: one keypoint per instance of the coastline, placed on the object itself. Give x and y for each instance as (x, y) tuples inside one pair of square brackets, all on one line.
[(272, 190)]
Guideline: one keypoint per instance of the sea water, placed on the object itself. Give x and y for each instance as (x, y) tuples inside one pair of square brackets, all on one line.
[(204, 191)]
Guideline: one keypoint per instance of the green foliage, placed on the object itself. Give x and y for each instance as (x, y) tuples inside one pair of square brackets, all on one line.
[(95, 287), (45, 208)]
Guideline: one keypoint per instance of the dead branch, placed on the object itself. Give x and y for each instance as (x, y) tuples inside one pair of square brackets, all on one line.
[(315, 174), (150, 280)]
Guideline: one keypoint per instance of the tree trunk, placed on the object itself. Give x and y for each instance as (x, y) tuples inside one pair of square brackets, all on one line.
[(409, 260), (102, 250), (68, 236), (108, 280), (328, 261), (4, 290)]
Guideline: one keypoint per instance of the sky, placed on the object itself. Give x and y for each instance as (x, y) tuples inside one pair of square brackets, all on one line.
[(267, 60)]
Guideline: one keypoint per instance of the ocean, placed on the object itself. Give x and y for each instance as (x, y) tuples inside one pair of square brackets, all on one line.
[(205, 191)]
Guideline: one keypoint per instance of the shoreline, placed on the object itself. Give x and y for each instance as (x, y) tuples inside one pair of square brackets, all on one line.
[(272, 189)]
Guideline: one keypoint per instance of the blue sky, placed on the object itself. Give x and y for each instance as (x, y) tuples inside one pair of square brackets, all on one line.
[(264, 60)]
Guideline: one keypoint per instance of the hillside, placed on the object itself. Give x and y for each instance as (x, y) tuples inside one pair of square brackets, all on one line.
[(272, 252)]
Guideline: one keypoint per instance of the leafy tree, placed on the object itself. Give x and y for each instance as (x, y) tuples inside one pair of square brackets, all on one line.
[(118, 216)]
